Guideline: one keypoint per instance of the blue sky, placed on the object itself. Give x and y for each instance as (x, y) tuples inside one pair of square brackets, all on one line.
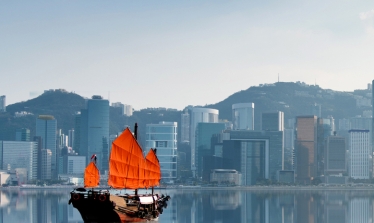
[(179, 53)]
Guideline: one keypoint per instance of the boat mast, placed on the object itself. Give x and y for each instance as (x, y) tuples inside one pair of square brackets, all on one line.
[(136, 137)]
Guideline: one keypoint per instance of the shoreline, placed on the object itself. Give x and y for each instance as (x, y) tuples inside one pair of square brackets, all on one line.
[(203, 188)]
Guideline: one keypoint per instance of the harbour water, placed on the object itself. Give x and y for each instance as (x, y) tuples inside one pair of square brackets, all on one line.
[(196, 205)]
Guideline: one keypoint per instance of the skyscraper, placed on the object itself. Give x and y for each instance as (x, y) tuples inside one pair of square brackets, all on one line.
[(185, 127), (306, 148), (372, 115), (16, 154), (272, 121), (163, 137), (23, 134), (46, 128), (77, 132), (94, 131), (359, 153), (243, 116), (335, 158), (199, 115), (3, 103), (204, 133), (71, 138)]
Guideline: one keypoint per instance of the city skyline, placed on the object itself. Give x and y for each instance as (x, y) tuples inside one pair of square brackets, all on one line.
[(171, 50)]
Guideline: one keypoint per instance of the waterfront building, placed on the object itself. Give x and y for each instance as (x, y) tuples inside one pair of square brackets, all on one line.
[(72, 164), (204, 134), (3, 103), (286, 176), (71, 138), (289, 142), (335, 157), (94, 131), (257, 155), (306, 148), (163, 137), (359, 154), (46, 128), (272, 121), (325, 128), (19, 154), (243, 116), (46, 158), (185, 127), (23, 135), (77, 132), (198, 115), (225, 176)]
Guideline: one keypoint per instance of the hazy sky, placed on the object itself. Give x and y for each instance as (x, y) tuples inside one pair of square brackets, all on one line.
[(174, 53)]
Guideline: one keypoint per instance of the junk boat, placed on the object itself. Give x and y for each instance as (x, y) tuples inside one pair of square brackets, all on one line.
[(128, 169)]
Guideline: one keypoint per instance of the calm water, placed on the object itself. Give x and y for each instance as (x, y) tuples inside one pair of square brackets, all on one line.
[(216, 206)]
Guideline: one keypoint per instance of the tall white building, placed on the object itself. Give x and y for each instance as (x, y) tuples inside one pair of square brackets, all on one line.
[(19, 154), (243, 116), (185, 127), (359, 153), (128, 110), (3, 103), (163, 137), (198, 115)]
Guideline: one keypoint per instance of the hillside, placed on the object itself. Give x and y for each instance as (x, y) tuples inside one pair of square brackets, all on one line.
[(295, 99), (291, 98), (63, 105)]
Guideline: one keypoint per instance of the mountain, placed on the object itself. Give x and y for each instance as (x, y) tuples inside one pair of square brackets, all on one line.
[(292, 98), (296, 99), (63, 105)]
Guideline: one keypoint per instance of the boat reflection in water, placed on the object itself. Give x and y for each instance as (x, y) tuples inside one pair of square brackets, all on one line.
[(199, 205)]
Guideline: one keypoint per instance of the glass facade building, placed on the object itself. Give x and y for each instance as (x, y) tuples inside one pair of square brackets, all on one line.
[(336, 161), (163, 137), (272, 121), (94, 131), (23, 135), (198, 115), (243, 116), (306, 148), (249, 158), (17, 154), (269, 141), (204, 133), (46, 128)]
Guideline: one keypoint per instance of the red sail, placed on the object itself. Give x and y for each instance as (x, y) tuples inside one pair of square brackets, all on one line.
[(126, 163), (152, 172), (91, 175)]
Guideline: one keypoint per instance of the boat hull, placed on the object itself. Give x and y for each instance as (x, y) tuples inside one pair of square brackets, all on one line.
[(97, 206)]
